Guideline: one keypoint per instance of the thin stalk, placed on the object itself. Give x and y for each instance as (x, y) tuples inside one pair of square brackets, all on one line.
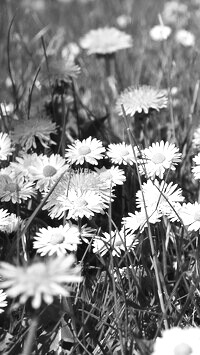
[(30, 338)]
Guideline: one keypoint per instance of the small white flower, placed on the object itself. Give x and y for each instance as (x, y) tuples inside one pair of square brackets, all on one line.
[(89, 150), (15, 190), (14, 223), (3, 302), (4, 219), (59, 240), (121, 153), (40, 281), (123, 21), (22, 164), (196, 169), (158, 158), (186, 38), (190, 215), (175, 12), (107, 40), (160, 33), (5, 146), (140, 219), (113, 176)]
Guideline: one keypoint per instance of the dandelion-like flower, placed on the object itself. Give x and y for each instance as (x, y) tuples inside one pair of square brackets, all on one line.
[(174, 12), (141, 99), (40, 281), (59, 240), (160, 32), (121, 153), (15, 190), (14, 223), (113, 176), (158, 158), (178, 341), (196, 169), (21, 167), (47, 170), (117, 242), (63, 69), (5, 146), (4, 219), (90, 150), (27, 131), (140, 219), (190, 215), (107, 40), (186, 38), (3, 302)]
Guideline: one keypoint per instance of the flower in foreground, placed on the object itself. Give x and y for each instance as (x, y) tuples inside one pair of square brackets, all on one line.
[(140, 219), (4, 219), (40, 281), (59, 240), (158, 158), (160, 32), (3, 302), (121, 153), (89, 150), (141, 99), (178, 341), (106, 40), (190, 215), (196, 169), (186, 38), (5, 146), (26, 132)]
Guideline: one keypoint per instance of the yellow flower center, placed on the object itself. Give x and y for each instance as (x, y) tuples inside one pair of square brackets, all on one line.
[(11, 187), (49, 171), (182, 349), (197, 216), (158, 158), (4, 180), (56, 239), (84, 150), (123, 152), (80, 203)]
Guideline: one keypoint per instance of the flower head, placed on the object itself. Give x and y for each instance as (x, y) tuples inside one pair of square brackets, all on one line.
[(121, 153), (63, 69), (15, 190), (113, 176), (14, 223), (89, 150), (5, 146), (105, 40), (3, 302), (177, 341), (190, 215), (174, 12), (26, 132), (196, 169), (39, 281), (143, 98), (59, 240), (186, 38), (158, 158), (140, 219), (4, 219), (160, 32)]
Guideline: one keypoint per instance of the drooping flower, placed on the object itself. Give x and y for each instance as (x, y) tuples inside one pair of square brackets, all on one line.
[(5, 146), (40, 281), (184, 37), (90, 150), (178, 341), (158, 158), (27, 131), (121, 153), (58, 240), (196, 169), (141, 99), (160, 32), (107, 40), (3, 302)]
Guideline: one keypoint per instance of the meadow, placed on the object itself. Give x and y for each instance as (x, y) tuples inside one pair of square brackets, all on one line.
[(99, 177)]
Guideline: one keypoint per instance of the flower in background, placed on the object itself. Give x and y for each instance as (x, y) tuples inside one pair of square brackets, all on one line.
[(107, 40), (175, 12), (36, 5), (141, 99), (40, 281), (16, 190), (6, 109), (5, 146), (178, 341), (196, 169), (89, 150), (121, 153), (184, 37), (63, 69), (27, 131), (158, 158), (3, 302), (117, 242), (160, 33), (70, 51), (140, 219), (196, 138), (47, 170), (112, 176), (59, 240), (4, 219), (123, 21), (190, 215)]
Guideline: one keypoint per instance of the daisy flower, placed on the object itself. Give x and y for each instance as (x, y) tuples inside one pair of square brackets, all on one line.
[(160, 33), (118, 241), (3, 302), (89, 150), (47, 170), (26, 132), (16, 190), (121, 153), (160, 197), (59, 240), (139, 220), (158, 158), (23, 163), (141, 99), (190, 215), (5, 146), (178, 341), (4, 219), (184, 37), (196, 169), (113, 176), (14, 223), (106, 40), (40, 281)]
